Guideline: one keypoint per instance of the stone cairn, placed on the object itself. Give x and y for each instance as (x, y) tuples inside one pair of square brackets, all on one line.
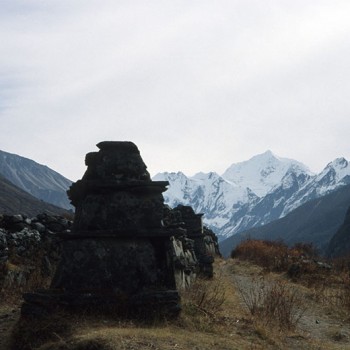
[(117, 256)]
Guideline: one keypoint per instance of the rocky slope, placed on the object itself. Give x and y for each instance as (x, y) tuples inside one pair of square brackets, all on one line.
[(36, 179), (14, 200)]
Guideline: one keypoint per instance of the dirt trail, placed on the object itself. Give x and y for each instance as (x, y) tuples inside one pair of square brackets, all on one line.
[(319, 327)]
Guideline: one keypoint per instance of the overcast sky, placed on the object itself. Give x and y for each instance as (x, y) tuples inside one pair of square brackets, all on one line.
[(197, 85)]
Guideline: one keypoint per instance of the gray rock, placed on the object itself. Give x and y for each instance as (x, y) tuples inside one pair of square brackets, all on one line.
[(38, 226)]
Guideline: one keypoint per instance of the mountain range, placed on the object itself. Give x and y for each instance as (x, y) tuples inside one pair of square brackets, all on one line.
[(315, 222), (253, 193)]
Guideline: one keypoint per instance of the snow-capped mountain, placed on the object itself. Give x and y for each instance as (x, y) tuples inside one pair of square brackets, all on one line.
[(207, 193), (335, 175), (262, 172), (254, 192), (36, 179), (315, 222)]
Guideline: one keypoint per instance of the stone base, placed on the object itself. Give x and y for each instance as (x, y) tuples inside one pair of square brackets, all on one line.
[(144, 305), (111, 266), (128, 277)]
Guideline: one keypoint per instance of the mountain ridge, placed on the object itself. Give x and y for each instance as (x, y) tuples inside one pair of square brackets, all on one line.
[(270, 167), (38, 180), (316, 222), (14, 200)]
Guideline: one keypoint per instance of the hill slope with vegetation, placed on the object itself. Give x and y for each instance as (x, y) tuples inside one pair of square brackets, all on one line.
[(14, 200), (340, 242), (314, 222)]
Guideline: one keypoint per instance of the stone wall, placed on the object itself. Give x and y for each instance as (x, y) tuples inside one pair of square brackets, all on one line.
[(29, 246), (33, 245)]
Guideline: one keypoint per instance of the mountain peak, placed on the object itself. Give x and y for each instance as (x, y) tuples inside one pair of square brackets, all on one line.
[(267, 153), (333, 173), (338, 163), (262, 172)]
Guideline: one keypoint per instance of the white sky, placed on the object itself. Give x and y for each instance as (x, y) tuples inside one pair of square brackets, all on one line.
[(197, 85)]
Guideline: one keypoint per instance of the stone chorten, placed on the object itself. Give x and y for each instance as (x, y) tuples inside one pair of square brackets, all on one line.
[(117, 254), (202, 243)]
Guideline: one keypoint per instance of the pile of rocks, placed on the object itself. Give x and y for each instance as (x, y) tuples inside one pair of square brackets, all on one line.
[(28, 244)]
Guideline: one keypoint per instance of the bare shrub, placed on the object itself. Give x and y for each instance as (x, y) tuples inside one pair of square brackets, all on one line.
[(270, 255), (205, 297), (21, 274), (273, 303), (342, 264), (344, 294), (306, 250)]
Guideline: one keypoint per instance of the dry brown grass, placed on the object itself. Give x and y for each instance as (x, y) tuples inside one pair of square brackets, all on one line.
[(274, 303), (272, 255), (214, 316), (205, 297), (328, 282), (321, 326), (19, 275)]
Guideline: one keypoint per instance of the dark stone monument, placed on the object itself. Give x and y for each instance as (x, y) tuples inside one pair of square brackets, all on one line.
[(183, 254), (118, 254)]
